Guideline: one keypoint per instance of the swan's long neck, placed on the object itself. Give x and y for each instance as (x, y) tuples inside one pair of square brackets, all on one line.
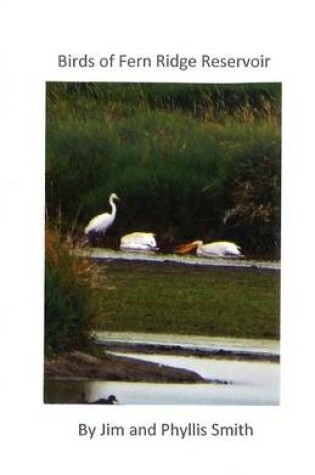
[(113, 205)]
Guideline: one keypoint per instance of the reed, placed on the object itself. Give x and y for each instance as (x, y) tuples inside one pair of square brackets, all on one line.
[(210, 101), (188, 161)]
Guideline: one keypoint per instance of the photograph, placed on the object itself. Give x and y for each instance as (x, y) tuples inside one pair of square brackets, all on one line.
[(162, 243)]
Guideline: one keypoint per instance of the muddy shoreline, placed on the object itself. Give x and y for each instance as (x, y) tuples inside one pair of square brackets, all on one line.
[(110, 367), (78, 365)]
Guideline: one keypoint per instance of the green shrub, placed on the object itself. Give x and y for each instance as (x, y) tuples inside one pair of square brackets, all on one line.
[(254, 197), (67, 306)]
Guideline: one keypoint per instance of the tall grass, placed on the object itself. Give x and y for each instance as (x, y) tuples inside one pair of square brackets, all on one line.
[(210, 101), (68, 310), (188, 161)]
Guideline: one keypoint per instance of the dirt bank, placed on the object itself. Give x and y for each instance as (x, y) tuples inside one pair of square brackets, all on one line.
[(115, 368)]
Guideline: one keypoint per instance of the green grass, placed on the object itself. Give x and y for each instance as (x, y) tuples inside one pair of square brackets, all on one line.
[(170, 298)]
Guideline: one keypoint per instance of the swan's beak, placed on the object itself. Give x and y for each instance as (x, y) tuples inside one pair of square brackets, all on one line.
[(185, 248)]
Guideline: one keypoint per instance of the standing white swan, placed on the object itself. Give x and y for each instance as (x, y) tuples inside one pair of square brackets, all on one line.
[(101, 223), (139, 241), (213, 249)]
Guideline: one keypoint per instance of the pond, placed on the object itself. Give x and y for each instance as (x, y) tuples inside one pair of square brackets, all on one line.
[(238, 383), (227, 381)]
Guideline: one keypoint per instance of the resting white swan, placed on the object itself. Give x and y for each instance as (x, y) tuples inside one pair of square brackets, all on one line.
[(139, 241), (214, 249), (101, 223)]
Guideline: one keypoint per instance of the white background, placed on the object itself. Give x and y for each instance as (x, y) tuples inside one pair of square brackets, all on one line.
[(44, 439)]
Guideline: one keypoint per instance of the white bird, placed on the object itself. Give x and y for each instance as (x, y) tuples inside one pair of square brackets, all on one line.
[(139, 241), (101, 223), (213, 249)]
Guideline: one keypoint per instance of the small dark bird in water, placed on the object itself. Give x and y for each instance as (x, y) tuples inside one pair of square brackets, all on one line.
[(110, 400)]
